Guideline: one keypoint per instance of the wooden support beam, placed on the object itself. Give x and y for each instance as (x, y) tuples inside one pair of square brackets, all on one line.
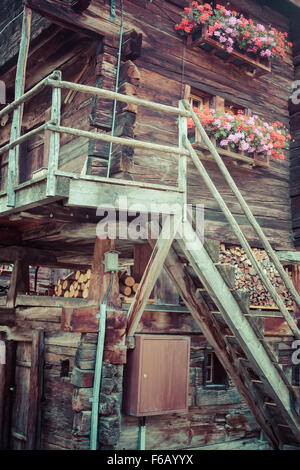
[(99, 281), (131, 45), (9, 382), (36, 390), (19, 282), (151, 272), (54, 139), (63, 15), (18, 113), (32, 256), (288, 257)]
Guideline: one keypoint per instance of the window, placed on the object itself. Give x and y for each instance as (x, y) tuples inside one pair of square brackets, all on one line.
[(233, 107), (201, 101), (214, 374)]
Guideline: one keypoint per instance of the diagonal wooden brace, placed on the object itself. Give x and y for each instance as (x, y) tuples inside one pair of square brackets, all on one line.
[(152, 271)]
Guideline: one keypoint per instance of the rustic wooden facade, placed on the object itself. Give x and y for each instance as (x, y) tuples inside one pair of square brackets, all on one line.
[(48, 218)]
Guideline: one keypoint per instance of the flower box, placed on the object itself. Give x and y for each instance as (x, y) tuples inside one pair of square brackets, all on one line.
[(250, 64), (247, 138), (255, 159), (245, 44)]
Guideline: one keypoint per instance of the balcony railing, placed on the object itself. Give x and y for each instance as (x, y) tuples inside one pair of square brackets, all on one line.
[(54, 127)]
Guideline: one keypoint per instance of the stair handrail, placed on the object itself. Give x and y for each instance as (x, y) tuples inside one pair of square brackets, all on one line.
[(250, 217)]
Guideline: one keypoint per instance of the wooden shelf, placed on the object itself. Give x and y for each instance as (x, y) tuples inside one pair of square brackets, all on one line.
[(254, 161), (254, 66)]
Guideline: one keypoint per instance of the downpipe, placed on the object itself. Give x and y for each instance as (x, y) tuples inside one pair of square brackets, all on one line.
[(98, 369)]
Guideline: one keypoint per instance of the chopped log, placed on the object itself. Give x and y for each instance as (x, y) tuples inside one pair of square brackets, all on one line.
[(126, 290), (127, 280), (135, 286)]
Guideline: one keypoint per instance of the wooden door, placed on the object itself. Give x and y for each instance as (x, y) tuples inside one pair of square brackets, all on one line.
[(21, 398)]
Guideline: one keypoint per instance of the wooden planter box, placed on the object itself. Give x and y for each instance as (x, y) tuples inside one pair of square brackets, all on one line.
[(254, 159), (250, 64)]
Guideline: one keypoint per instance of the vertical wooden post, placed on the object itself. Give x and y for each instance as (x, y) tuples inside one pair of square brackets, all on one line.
[(9, 382), (36, 390), (182, 163), (15, 132), (54, 141), (19, 282), (296, 282), (2, 384), (99, 281)]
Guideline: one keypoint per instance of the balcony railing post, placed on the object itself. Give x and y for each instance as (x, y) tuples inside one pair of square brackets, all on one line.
[(54, 141), (182, 161), (13, 156)]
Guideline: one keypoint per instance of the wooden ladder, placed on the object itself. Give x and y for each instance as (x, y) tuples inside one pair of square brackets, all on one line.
[(236, 338)]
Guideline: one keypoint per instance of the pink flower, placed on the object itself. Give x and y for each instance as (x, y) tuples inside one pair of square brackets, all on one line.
[(229, 49), (222, 39), (232, 21), (260, 27), (224, 143), (217, 33), (244, 145)]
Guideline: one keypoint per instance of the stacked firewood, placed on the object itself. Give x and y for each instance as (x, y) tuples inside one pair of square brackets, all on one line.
[(247, 277), (128, 286), (74, 285)]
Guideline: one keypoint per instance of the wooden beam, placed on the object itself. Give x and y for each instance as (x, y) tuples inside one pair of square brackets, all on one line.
[(30, 255), (19, 282), (152, 272), (54, 140), (91, 90), (36, 390), (99, 281), (84, 193), (288, 257), (89, 22), (9, 382), (18, 113)]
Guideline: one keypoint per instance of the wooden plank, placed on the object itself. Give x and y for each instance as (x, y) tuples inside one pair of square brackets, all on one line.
[(151, 272), (54, 141), (19, 282), (18, 113), (182, 164), (288, 257), (117, 140), (120, 97), (9, 382), (33, 256), (92, 194), (36, 390)]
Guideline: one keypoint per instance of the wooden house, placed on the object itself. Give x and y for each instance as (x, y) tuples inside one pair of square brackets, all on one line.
[(147, 341)]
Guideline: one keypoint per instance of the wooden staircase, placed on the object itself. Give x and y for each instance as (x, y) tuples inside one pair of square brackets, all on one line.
[(236, 338)]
